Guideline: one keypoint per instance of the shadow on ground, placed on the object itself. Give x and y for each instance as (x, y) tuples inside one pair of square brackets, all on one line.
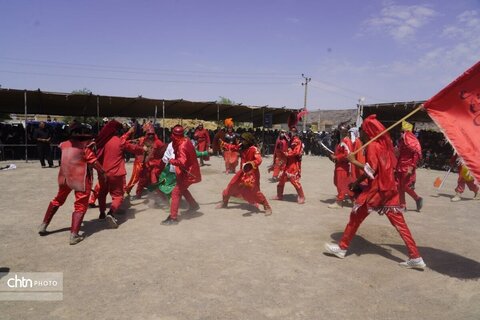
[(441, 261), (447, 263), (4, 271)]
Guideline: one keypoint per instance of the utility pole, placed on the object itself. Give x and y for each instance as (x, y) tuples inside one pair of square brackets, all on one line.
[(307, 80)]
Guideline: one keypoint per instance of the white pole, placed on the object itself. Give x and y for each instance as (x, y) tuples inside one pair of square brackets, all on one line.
[(26, 133)]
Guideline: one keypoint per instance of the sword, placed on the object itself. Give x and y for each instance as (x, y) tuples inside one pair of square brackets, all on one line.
[(326, 148)]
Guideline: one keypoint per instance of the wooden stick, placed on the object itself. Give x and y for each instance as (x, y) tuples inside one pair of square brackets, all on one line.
[(388, 129)]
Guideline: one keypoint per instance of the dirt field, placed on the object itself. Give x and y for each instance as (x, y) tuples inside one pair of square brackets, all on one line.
[(238, 264)]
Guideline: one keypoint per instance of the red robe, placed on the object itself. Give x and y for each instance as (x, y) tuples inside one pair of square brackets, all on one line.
[(279, 157), (203, 141), (187, 171), (150, 162), (381, 193), (230, 156), (342, 174), (409, 153), (246, 185), (114, 180)]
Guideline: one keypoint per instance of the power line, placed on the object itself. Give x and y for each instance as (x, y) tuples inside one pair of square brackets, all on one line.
[(143, 80), (264, 74), (151, 73)]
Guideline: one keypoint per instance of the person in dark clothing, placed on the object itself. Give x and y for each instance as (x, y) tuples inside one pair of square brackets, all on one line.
[(43, 137)]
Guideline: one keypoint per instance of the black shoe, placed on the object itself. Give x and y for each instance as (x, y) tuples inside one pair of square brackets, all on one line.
[(419, 203), (102, 216), (169, 221), (92, 205)]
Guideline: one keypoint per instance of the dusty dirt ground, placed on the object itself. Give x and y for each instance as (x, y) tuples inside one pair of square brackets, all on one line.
[(238, 264)]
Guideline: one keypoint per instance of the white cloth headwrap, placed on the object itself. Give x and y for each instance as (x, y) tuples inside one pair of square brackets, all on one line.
[(353, 133)]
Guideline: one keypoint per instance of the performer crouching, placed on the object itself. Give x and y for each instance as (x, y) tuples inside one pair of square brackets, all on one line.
[(78, 159), (246, 182)]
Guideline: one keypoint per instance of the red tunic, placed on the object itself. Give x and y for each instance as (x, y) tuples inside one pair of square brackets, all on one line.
[(279, 157), (203, 139), (246, 185), (186, 164), (381, 193), (410, 152), (74, 169), (293, 167), (341, 152)]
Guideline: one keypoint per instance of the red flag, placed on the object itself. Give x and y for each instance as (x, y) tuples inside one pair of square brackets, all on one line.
[(303, 112), (456, 110)]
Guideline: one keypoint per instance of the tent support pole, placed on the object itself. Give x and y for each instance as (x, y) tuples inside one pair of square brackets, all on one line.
[(155, 116), (26, 132), (98, 113), (163, 120)]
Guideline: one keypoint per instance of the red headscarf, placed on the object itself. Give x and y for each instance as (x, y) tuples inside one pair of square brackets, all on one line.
[(382, 149), (107, 132), (372, 127)]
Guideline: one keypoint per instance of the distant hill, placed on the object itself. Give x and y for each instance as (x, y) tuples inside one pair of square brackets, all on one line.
[(329, 118)]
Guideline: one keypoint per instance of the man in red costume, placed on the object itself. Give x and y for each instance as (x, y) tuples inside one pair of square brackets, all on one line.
[(78, 159), (150, 151), (464, 178), (357, 144), (409, 153), (279, 157), (110, 152), (187, 173), (293, 168), (246, 182), (380, 195), (139, 156), (202, 138), (230, 155), (342, 174)]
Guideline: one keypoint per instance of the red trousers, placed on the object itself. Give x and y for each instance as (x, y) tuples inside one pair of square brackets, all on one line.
[(341, 181), (294, 180), (278, 166), (114, 186), (404, 185), (396, 219), (137, 167), (147, 177), (177, 193), (80, 206), (461, 185)]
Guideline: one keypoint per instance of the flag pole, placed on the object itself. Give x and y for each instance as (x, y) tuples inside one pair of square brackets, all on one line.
[(420, 107)]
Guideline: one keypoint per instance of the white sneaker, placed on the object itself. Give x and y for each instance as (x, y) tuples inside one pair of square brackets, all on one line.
[(456, 198), (335, 205), (334, 249), (477, 196), (413, 264)]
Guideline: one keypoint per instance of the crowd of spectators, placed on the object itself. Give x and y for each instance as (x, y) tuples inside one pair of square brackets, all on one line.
[(436, 150)]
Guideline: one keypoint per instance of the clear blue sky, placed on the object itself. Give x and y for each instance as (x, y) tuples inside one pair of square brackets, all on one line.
[(252, 52)]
